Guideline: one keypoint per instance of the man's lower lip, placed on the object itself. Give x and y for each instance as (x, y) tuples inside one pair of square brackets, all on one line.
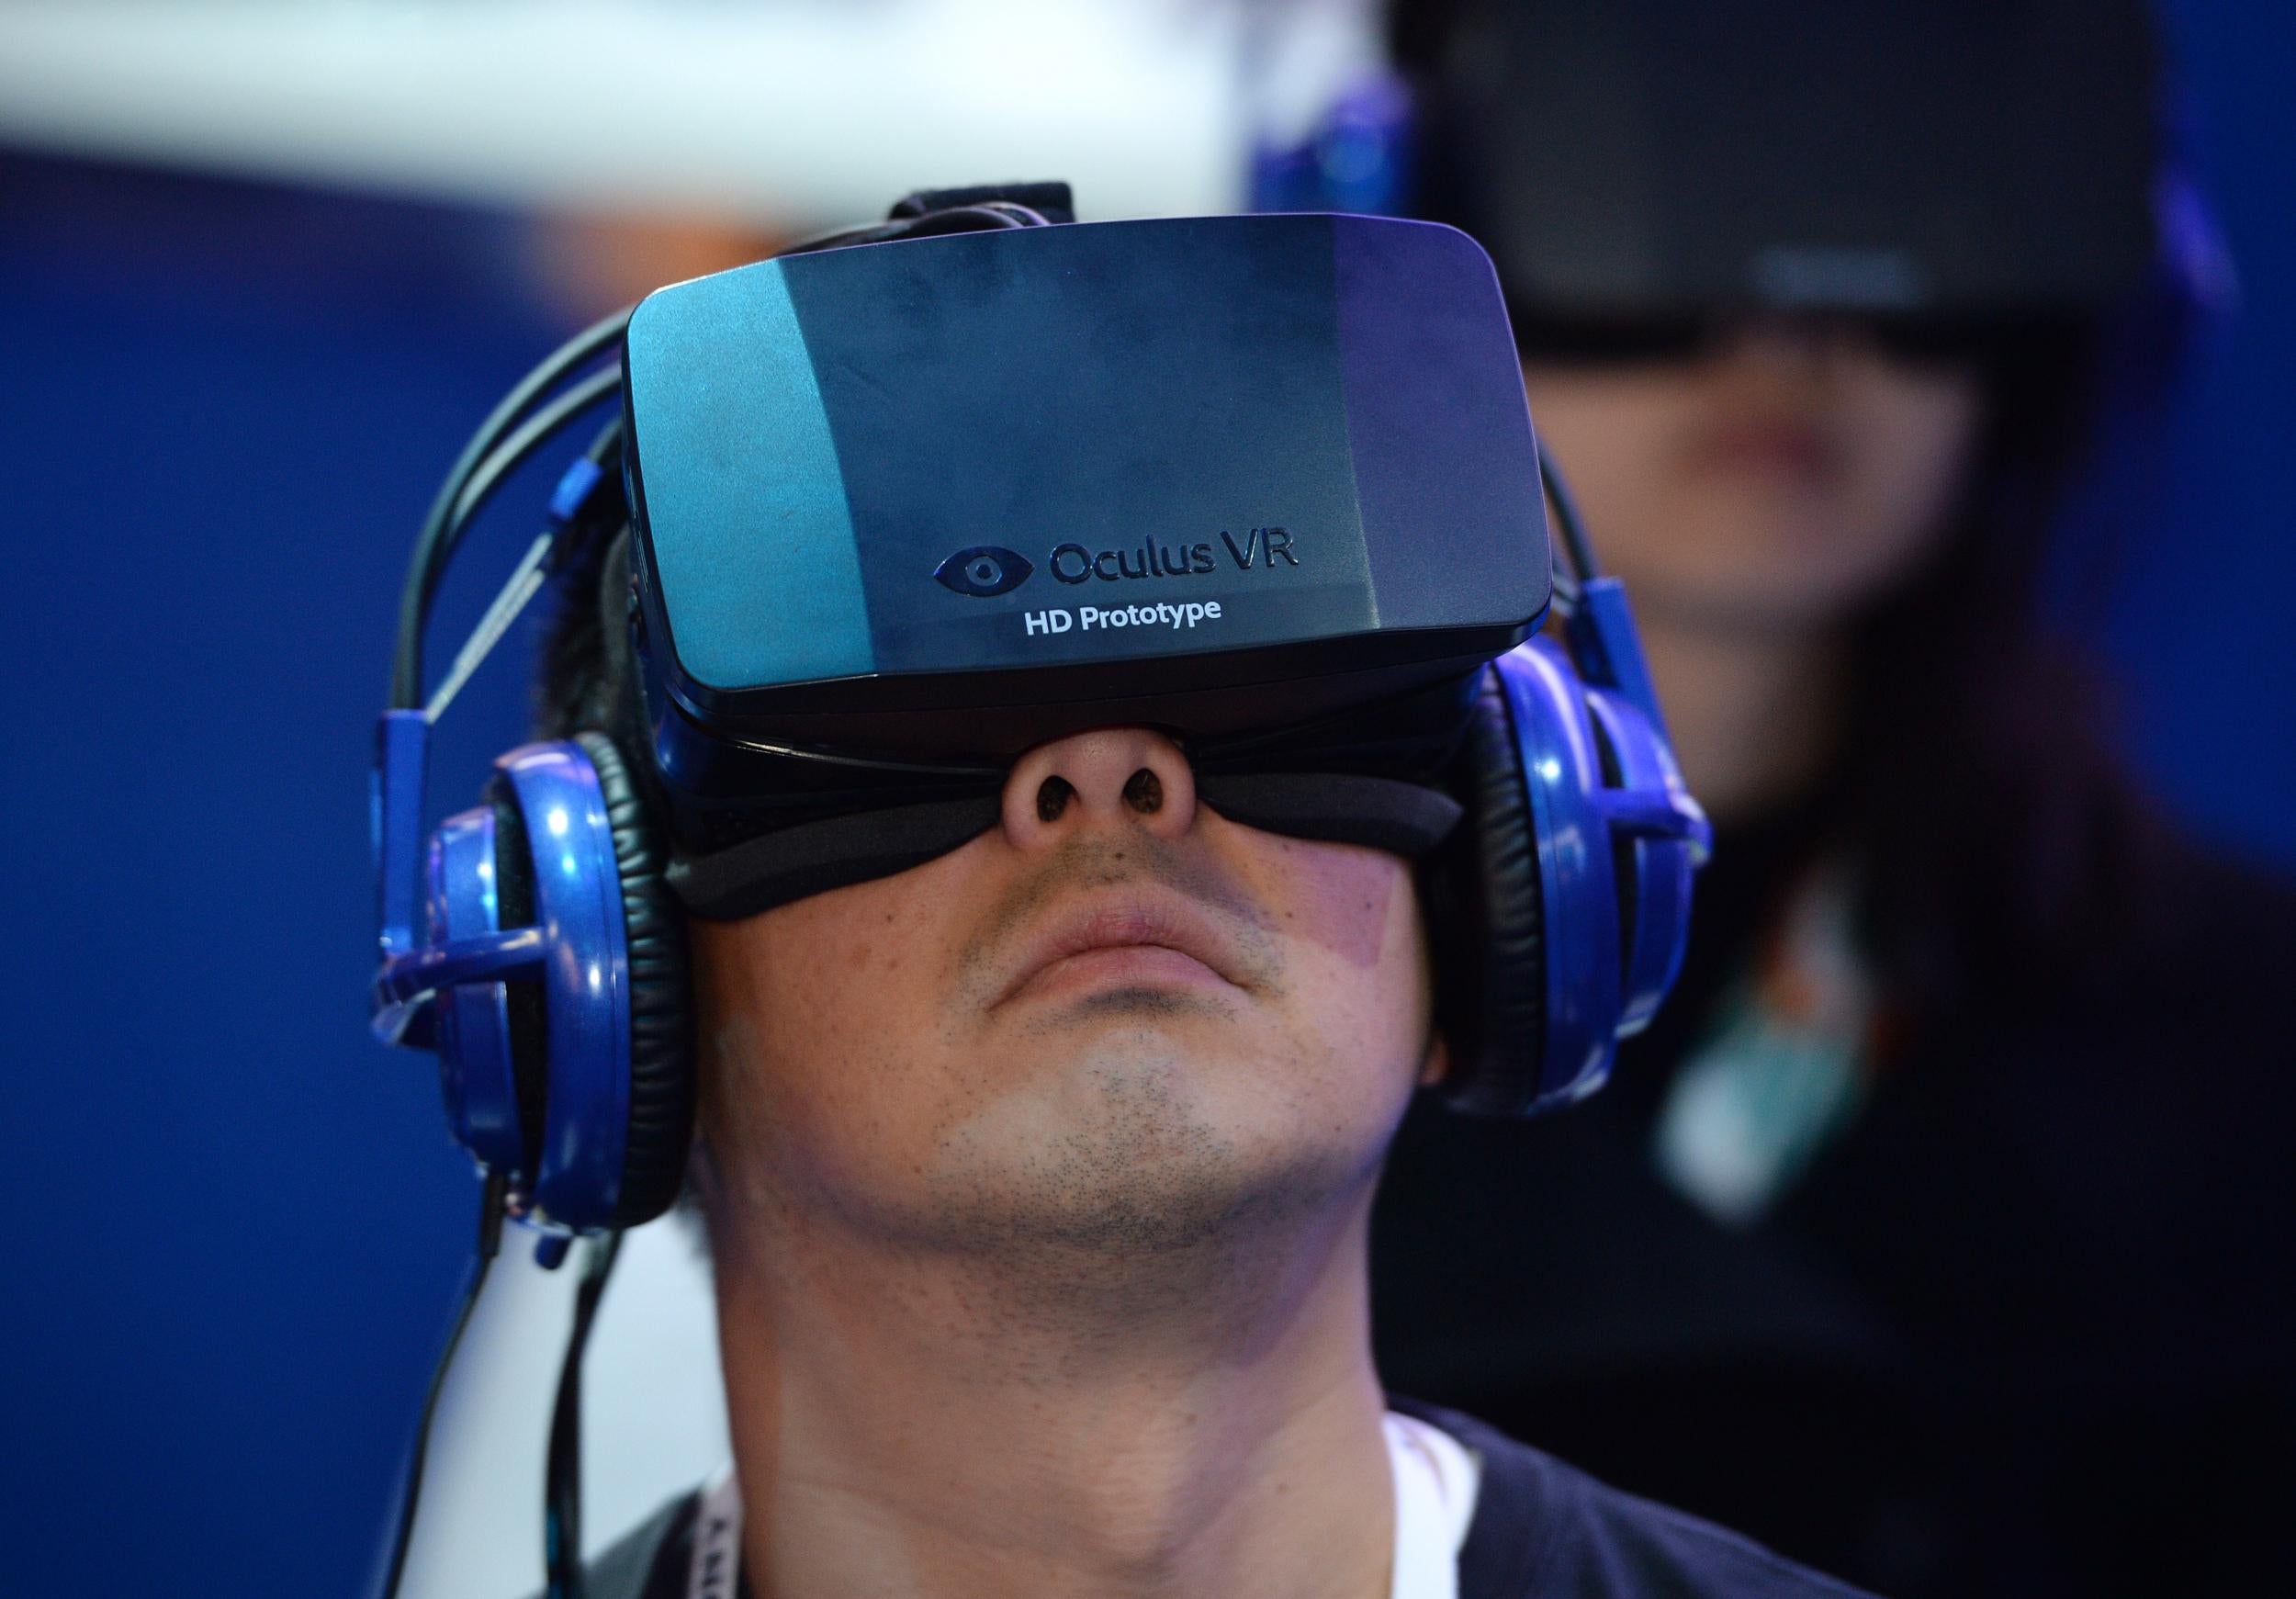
[(1119, 967)]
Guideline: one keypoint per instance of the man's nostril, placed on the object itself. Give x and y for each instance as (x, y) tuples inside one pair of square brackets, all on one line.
[(1051, 798), (1144, 792)]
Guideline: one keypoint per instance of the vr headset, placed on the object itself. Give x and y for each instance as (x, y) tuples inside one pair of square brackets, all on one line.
[(1240, 478), (896, 510), (1641, 167)]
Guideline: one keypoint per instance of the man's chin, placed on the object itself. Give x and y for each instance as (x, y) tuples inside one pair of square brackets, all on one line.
[(1140, 1148)]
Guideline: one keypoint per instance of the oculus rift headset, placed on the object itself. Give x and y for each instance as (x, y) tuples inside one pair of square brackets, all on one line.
[(901, 509), (1641, 162)]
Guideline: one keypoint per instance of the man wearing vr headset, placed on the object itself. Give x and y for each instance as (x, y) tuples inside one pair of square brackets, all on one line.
[(998, 802)]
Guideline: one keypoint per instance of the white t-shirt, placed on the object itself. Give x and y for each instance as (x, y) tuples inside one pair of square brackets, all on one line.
[(1436, 1480)]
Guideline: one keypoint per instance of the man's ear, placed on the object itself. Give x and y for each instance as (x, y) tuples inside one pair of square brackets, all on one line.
[(1437, 1064)]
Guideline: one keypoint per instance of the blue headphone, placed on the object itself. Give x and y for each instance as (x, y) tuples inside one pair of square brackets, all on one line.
[(534, 943)]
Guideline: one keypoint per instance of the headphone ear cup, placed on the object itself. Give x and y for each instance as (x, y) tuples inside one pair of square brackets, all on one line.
[(1577, 818), (1488, 921), (1653, 873), (660, 990)]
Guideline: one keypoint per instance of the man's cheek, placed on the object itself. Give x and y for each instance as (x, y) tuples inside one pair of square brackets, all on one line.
[(1354, 903)]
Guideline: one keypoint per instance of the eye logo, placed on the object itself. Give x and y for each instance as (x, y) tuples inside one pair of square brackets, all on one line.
[(984, 571)]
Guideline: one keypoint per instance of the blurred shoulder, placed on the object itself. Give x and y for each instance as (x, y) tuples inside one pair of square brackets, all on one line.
[(1545, 1529)]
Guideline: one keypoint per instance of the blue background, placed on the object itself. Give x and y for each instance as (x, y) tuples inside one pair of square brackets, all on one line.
[(240, 1227)]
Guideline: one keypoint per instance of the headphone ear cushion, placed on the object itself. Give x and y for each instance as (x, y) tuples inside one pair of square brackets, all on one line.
[(661, 986), (524, 1011), (1489, 926)]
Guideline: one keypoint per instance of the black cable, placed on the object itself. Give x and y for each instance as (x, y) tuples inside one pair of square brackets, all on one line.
[(507, 457), (1575, 545), (407, 669), (562, 1490), (480, 485), (515, 451), (490, 1243)]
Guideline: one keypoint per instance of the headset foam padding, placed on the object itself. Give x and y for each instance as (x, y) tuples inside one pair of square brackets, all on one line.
[(523, 1006), (1488, 922), (661, 1016)]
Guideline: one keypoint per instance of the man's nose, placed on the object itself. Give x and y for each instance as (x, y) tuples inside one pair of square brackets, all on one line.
[(1115, 778)]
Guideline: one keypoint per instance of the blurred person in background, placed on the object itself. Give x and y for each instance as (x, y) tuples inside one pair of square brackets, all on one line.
[(1936, 1233)]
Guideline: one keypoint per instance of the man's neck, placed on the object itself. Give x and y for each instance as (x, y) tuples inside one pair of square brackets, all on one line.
[(934, 1427), (1754, 715)]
